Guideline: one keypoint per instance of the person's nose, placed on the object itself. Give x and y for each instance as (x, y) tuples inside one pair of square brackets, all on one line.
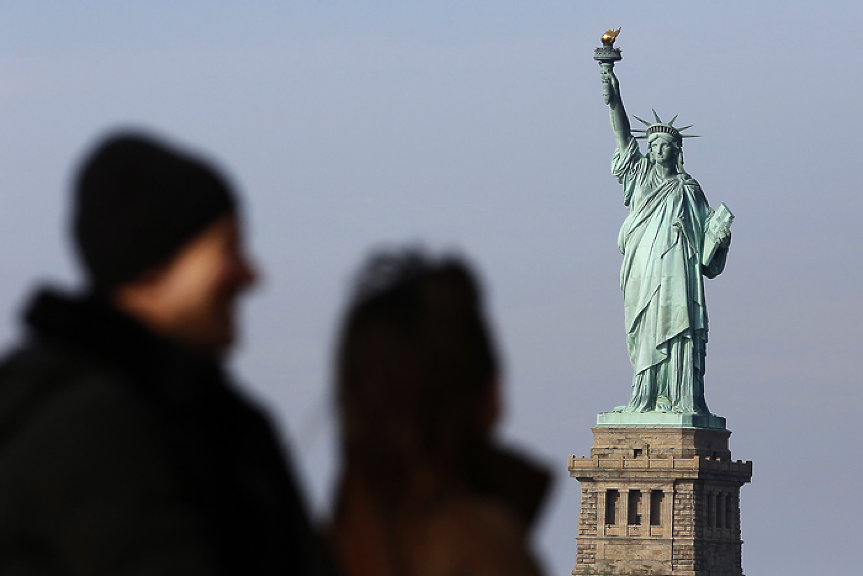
[(247, 272)]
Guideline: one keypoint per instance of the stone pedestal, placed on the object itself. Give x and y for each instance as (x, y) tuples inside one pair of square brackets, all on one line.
[(662, 501)]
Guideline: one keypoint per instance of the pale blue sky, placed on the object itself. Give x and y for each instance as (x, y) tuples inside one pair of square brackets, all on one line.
[(480, 126)]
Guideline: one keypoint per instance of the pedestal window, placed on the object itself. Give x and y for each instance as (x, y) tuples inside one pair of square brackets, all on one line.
[(656, 498), (612, 498), (634, 508)]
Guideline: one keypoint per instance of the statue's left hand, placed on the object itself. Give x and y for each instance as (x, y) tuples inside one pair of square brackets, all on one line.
[(723, 236)]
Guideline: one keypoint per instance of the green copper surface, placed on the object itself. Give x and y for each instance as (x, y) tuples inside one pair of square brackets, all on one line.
[(670, 240), (658, 420)]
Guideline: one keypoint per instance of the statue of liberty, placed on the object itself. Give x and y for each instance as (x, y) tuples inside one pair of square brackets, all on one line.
[(669, 241)]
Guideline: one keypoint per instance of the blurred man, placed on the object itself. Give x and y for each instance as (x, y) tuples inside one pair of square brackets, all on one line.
[(425, 490), (124, 448)]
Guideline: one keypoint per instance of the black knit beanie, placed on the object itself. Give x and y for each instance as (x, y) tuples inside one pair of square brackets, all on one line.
[(137, 201)]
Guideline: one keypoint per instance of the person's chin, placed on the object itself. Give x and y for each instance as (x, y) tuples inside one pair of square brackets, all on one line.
[(226, 336), (219, 338)]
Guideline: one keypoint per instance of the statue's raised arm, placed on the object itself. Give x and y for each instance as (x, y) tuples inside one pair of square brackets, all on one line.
[(606, 56), (619, 120)]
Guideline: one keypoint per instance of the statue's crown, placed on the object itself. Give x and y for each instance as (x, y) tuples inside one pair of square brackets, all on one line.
[(664, 129), (660, 127)]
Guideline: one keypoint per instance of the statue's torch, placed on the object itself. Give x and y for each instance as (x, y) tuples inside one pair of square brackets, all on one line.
[(607, 55)]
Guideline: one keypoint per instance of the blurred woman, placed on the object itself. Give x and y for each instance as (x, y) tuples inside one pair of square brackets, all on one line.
[(423, 490)]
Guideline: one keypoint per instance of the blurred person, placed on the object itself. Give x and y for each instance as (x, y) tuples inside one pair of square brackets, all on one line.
[(124, 446), (424, 490)]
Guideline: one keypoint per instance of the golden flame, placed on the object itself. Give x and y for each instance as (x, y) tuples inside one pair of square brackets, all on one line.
[(610, 36)]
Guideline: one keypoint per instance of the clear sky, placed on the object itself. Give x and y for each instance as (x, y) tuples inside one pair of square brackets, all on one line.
[(479, 126)]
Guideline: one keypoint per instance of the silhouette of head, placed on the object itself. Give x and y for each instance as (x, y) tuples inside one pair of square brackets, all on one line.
[(416, 367), (158, 234), (137, 201)]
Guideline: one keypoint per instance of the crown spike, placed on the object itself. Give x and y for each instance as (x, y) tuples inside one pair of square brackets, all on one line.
[(686, 127), (645, 122), (671, 122), (655, 115)]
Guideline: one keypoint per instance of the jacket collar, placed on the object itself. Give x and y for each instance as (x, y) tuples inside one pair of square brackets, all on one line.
[(91, 327)]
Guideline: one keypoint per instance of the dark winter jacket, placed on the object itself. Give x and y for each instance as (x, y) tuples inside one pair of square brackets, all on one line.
[(121, 454)]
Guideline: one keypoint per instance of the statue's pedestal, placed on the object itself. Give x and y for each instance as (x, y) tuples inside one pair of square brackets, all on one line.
[(662, 500)]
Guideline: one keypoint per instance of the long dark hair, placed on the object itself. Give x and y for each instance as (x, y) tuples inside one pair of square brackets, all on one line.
[(414, 359)]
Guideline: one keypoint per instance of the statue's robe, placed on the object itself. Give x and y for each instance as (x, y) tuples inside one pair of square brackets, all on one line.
[(663, 290)]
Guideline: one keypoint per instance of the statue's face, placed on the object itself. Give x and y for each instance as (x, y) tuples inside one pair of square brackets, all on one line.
[(663, 151)]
